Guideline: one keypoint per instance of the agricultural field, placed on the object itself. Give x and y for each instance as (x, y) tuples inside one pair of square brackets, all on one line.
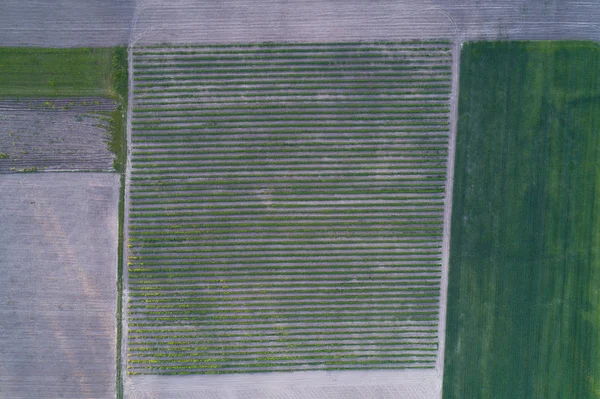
[(243, 21), (286, 207), (62, 109), (55, 134), (66, 23), (58, 285), (524, 306)]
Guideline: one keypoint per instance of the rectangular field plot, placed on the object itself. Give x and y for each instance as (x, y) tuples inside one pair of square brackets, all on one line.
[(58, 285), (523, 296), (286, 207), (55, 134)]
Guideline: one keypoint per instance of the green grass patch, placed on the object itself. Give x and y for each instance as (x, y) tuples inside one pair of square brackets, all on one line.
[(45, 72), (524, 303)]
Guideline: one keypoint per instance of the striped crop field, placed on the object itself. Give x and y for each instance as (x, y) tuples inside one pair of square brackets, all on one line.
[(286, 206)]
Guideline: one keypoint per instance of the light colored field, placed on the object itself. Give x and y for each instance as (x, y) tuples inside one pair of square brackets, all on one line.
[(190, 21), (58, 285), (405, 384), (50, 134), (70, 23), (114, 22)]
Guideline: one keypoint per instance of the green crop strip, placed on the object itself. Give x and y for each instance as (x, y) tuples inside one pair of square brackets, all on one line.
[(226, 70), (183, 79), (275, 111), (426, 51), (422, 95), (298, 102), (440, 107), (327, 79)]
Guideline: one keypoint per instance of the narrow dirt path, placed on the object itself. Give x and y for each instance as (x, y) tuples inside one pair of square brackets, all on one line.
[(448, 205), (127, 177)]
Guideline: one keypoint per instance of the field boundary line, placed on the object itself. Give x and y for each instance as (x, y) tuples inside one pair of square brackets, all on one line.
[(448, 207), (127, 200)]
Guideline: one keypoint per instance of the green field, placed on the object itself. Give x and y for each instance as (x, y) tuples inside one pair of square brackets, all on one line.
[(43, 72), (524, 287)]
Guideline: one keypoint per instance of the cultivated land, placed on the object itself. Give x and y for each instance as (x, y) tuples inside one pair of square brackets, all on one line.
[(286, 207), (66, 23), (58, 285), (62, 109), (55, 134), (353, 384), (524, 306), (235, 21), (109, 23), (75, 23)]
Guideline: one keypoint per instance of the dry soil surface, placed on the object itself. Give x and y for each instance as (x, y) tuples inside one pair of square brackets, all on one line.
[(65, 23), (73, 23), (406, 384), (181, 21), (58, 293)]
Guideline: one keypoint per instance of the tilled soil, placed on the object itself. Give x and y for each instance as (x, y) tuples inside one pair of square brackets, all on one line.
[(55, 134), (58, 285)]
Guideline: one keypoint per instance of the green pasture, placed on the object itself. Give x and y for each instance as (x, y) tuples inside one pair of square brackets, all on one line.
[(524, 286)]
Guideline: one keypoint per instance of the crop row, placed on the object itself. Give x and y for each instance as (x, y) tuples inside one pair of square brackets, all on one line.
[(306, 51), (332, 101), (287, 77), (288, 60), (411, 112), (433, 104)]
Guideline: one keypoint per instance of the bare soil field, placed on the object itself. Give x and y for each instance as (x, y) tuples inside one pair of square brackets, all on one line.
[(58, 285), (189, 21), (70, 23), (404, 384), (55, 134), (74, 23)]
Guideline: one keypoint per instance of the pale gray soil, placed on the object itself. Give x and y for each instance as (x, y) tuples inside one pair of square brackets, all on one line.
[(73, 23), (58, 285), (65, 23), (190, 21), (55, 134), (380, 384)]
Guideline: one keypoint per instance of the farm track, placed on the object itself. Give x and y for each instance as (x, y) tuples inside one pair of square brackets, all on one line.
[(286, 206)]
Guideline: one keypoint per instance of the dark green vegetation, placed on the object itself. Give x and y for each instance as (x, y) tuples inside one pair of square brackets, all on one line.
[(286, 207), (524, 296)]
